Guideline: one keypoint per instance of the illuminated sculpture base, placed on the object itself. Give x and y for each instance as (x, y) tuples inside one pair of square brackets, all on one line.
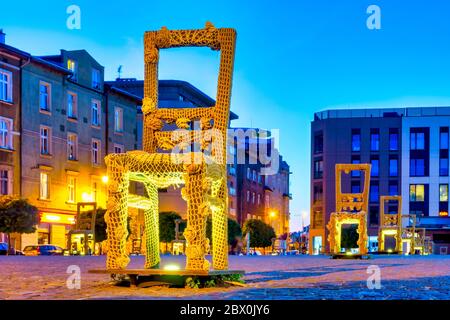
[(164, 277), (334, 226), (389, 231)]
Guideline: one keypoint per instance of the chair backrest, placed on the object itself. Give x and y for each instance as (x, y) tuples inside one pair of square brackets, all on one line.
[(391, 220), (212, 119), (352, 201)]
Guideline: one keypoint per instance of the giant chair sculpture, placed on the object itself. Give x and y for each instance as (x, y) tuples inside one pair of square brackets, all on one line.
[(351, 208), (202, 172), (390, 224)]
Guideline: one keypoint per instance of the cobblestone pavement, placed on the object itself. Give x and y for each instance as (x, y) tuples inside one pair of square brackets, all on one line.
[(267, 277)]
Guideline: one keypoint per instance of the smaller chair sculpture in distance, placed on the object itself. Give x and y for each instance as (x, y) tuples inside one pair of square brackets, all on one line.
[(390, 224), (351, 208)]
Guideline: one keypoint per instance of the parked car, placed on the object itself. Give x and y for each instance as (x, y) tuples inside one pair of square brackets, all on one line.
[(43, 250), (3, 248)]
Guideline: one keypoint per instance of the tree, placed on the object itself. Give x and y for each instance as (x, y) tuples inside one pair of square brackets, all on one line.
[(100, 224), (261, 234), (234, 229), (17, 216), (167, 226)]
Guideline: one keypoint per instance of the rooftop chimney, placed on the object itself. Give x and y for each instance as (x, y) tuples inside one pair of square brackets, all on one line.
[(2, 36)]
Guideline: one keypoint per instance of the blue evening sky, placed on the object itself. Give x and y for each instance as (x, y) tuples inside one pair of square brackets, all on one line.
[(293, 58)]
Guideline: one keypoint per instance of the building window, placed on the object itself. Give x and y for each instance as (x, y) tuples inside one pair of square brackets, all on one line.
[(267, 200), (45, 140), (373, 216), (374, 193), (4, 182), (443, 167), (417, 167), (72, 105), (118, 119), (259, 199), (95, 78), (374, 139), (393, 139), (318, 194), (443, 138), (71, 189), (356, 160), (253, 198), (95, 152), (417, 140), (318, 169), (318, 143), (248, 196), (232, 170), (443, 192), (72, 66), (118, 148), (5, 133), (393, 167), (254, 175), (393, 188), (96, 112), (249, 174), (375, 170), (6, 85), (417, 193), (72, 146), (44, 96), (44, 186), (355, 187), (356, 140), (259, 178), (317, 221)]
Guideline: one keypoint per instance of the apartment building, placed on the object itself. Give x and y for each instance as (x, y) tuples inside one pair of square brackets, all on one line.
[(261, 194), (59, 121), (408, 151), (11, 62)]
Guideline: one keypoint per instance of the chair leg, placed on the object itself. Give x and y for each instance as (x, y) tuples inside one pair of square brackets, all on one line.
[(116, 220), (220, 232), (151, 221), (195, 232)]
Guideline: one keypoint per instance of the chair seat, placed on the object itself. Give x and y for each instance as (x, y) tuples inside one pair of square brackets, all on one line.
[(161, 169)]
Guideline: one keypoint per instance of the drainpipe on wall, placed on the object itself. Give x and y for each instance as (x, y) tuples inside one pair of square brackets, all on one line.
[(105, 92), (21, 122)]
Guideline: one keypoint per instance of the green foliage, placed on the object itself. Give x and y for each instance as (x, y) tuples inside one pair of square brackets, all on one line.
[(193, 282), (349, 236), (233, 277), (212, 281), (167, 226), (17, 215), (261, 234), (234, 229)]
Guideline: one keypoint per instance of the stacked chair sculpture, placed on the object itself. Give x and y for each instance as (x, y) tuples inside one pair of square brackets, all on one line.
[(167, 159), (390, 224), (351, 208)]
